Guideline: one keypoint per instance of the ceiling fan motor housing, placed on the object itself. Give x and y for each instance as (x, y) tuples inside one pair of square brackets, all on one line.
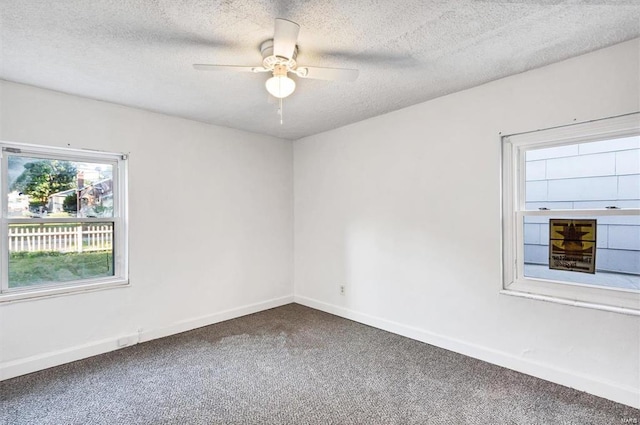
[(270, 61)]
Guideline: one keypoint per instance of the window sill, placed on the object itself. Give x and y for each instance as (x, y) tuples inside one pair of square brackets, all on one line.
[(50, 292), (574, 303)]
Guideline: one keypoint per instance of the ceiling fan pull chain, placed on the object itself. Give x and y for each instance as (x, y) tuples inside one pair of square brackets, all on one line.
[(281, 112)]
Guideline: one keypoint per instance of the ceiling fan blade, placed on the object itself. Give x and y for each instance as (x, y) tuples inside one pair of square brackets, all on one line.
[(330, 74), (397, 60), (285, 38), (237, 68)]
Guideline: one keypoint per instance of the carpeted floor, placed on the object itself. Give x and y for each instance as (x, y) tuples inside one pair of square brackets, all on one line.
[(293, 365)]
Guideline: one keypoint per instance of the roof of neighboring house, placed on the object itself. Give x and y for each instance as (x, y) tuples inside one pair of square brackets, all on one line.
[(85, 188), (63, 193)]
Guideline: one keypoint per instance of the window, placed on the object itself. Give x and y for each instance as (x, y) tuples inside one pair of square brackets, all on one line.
[(63, 220), (571, 214)]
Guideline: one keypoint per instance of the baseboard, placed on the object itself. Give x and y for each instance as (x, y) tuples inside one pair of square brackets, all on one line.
[(187, 325), (622, 394), (32, 364)]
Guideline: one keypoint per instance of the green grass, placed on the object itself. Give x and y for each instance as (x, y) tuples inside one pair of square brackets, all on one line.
[(33, 268)]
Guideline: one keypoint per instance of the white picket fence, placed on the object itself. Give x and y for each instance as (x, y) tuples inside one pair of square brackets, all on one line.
[(75, 238)]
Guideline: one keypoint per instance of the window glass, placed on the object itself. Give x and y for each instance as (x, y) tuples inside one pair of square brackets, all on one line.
[(595, 175), (583, 176), (41, 187), (617, 252), (59, 252)]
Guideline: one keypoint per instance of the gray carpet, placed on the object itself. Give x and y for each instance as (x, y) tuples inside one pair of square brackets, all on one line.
[(293, 365)]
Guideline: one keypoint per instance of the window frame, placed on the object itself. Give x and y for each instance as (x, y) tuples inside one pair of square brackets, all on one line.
[(119, 221), (514, 148)]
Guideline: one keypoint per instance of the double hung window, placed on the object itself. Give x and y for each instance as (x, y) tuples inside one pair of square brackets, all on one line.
[(571, 214), (63, 220)]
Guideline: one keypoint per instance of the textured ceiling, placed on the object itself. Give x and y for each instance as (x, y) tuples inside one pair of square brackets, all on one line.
[(139, 52)]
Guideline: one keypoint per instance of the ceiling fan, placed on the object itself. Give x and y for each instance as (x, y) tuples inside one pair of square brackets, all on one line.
[(279, 57)]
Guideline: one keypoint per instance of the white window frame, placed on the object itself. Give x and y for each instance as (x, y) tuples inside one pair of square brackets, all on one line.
[(514, 148), (119, 221)]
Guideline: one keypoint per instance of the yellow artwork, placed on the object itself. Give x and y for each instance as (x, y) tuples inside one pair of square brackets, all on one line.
[(572, 245)]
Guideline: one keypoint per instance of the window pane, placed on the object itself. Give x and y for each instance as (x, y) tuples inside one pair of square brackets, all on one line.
[(586, 175), (59, 252), (55, 188), (617, 253)]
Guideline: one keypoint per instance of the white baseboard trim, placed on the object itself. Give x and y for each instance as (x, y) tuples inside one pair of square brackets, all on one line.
[(32, 364), (610, 390), (187, 325)]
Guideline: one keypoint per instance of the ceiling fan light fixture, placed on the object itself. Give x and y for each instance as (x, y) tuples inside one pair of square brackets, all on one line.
[(280, 86)]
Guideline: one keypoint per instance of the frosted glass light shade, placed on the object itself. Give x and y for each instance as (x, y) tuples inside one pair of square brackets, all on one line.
[(280, 86)]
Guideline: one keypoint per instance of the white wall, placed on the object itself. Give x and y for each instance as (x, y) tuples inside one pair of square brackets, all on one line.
[(210, 228), (405, 210)]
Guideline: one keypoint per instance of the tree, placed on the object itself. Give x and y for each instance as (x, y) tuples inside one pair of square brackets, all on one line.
[(70, 203), (41, 179)]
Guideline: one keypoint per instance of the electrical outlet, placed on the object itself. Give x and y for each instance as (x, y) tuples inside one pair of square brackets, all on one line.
[(342, 289)]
